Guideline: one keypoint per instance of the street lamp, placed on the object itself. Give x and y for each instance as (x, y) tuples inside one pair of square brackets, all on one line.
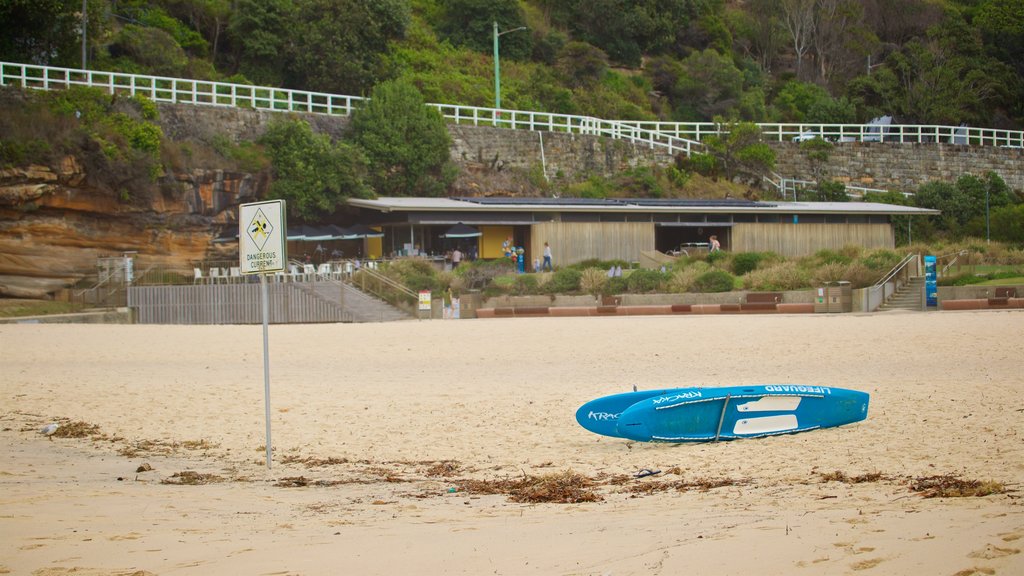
[(497, 66), (85, 26)]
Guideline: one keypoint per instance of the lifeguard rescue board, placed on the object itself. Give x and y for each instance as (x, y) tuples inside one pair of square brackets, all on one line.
[(727, 413), (600, 416)]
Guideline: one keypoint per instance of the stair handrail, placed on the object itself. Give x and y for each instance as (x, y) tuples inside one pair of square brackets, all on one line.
[(873, 302), (370, 272), (895, 270), (955, 255)]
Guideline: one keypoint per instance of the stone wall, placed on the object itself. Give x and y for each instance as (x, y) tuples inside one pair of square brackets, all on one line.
[(900, 167), (496, 161)]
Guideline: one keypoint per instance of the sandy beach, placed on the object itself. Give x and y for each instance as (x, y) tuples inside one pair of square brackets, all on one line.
[(402, 448)]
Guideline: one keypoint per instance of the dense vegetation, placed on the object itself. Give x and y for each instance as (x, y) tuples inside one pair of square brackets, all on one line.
[(976, 262), (925, 61)]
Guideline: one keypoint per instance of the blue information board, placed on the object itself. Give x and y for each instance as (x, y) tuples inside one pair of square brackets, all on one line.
[(931, 277)]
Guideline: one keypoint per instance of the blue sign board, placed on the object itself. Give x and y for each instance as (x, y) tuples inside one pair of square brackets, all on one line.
[(931, 278)]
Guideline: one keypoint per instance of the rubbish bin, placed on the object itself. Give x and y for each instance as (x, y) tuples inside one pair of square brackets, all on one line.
[(839, 297), (834, 297)]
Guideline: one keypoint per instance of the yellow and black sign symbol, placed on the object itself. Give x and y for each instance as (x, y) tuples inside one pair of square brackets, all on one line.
[(260, 229)]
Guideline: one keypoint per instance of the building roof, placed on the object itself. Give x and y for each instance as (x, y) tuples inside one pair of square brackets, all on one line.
[(631, 205)]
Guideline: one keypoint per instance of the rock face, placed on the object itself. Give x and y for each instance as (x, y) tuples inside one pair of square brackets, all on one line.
[(54, 228)]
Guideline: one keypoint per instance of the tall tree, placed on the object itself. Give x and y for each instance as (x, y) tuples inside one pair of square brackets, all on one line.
[(764, 32), (47, 31), (798, 17), (312, 173), (832, 40), (470, 23), (339, 45), (259, 33), (406, 142)]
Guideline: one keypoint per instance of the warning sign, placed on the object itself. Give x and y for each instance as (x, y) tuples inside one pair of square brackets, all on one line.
[(262, 237)]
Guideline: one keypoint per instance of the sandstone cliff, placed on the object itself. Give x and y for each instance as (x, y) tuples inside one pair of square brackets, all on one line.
[(54, 227)]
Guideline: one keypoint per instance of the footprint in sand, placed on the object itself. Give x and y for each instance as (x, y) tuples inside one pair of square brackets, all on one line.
[(1010, 537), (976, 572), (866, 564), (989, 552)]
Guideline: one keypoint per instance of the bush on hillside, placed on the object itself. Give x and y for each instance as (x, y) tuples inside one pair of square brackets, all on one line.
[(592, 280), (641, 281), (615, 285), (713, 281), (564, 281), (782, 276)]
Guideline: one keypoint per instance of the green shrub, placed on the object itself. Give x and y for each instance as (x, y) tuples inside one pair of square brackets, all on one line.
[(524, 284), (782, 276), (703, 164), (683, 280), (856, 273), (744, 262), (480, 274), (615, 285), (713, 281), (832, 257), (881, 260), (716, 257), (592, 280), (563, 281), (642, 281)]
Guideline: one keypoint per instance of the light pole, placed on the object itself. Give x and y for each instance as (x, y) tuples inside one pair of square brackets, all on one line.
[(497, 65), (85, 26)]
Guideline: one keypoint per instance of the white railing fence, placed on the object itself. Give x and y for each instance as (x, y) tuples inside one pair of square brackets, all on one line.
[(673, 137), (896, 133)]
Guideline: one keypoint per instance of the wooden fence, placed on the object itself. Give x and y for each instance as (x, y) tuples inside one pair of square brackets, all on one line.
[(290, 302)]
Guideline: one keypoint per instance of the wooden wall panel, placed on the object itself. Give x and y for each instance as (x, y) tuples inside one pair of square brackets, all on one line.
[(573, 242), (805, 239)]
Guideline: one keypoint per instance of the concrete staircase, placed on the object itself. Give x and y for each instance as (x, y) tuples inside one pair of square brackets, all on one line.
[(362, 306), (910, 296)]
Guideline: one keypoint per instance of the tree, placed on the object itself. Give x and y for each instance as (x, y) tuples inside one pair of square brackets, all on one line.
[(943, 80), (711, 85), (406, 142), (311, 173), (258, 34), (339, 45), (470, 23), (798, 19), (964, 201), (208, 17), (740, 149), (581, 64), (47, 31), (762, 33), (837, 24)]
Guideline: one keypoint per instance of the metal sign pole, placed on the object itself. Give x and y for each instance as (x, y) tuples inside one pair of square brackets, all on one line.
[(263, 249), (266, 360)]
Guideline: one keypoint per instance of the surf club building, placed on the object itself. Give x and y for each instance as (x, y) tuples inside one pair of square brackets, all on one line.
[(579, 229)]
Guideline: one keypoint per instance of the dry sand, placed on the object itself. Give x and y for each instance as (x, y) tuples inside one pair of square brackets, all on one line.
[(388, 424)]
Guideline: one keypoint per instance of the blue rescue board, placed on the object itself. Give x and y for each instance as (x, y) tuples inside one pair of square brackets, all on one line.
[(709, 414), (602, 415)]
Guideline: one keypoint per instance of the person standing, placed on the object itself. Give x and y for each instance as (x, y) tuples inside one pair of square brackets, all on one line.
[(456, 258), (713, 244), (547, 258)]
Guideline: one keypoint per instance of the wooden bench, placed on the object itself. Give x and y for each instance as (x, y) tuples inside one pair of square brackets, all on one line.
[(1006, 292), (762, 301)]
